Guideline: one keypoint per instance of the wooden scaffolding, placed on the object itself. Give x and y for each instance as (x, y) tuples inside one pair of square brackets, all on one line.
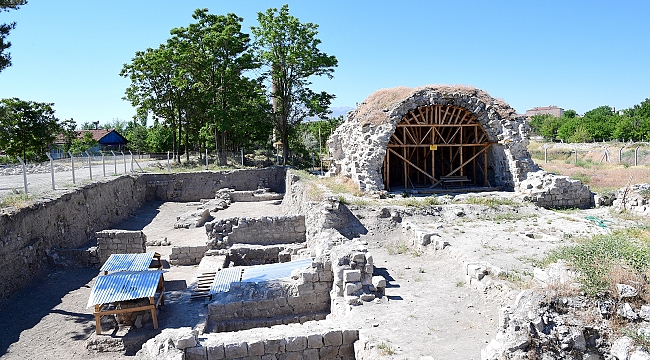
[(437, 146)]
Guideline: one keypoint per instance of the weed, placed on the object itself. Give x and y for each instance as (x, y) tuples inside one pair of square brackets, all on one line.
[(460, 283), (584, 178), (419, 202), (343, 200), (640, 339), (17, 200), (421, 270), (385, 349), (489, 201)]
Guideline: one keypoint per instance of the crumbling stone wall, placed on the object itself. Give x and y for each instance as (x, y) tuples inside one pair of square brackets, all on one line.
[(203, 185), (635, 198), (295, 341), (119, 242), (358, 146), (247, 305), (551, 191), (69, 221), (187, 255), (267, 230)]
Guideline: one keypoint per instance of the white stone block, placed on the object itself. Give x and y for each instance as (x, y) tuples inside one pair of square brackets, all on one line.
[(351, 275), (378, 282)]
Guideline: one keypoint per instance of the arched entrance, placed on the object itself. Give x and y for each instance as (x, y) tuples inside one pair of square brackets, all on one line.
[(437, 146)]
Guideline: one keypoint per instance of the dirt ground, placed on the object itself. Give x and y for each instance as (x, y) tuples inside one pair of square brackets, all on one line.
[(430, 309)]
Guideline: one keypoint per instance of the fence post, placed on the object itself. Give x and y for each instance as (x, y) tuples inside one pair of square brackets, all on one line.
[(103, 165), (636, 156), (131, 160), (124, 159), (51, 169), (576, 153), (72, 160), (24, 172), (313, 165), (169, 168), (206, 158), (90, 165), (545, 154), (620, 155), (114, 162), (242, 157)]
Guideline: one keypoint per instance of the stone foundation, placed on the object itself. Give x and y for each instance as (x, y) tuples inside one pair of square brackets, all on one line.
[(187, 255), (266, 230), (119, 242), (555, 192)]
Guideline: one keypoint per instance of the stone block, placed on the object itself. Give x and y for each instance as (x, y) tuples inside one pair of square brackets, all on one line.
[(346, 351), (296, 343), (273, 346), (333, 338), (215, 352), (315, 341), (350, 336), (185, 341), (293, 355), (269, 357), (196, 353), (256, 348), (351, 276), (237, 350), (351, 288), (378, 282), (328, 352), (369, 269)]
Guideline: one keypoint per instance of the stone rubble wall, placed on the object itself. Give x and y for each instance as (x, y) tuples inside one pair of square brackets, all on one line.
[(119, 242), (295, 341), (187, 255), (551, 191), (250, 255), (266, 230), (67, 221), (203, 185), (635, 199), (359, 145), (305, 297), (255, 195), (70, 220)]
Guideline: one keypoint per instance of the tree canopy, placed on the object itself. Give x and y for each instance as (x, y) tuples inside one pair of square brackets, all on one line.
[(289, 51), (27, 128), (5, 29)]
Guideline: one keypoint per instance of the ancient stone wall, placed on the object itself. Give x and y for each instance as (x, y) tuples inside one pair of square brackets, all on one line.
[(294, 341), (306, 297), (68, 221), (187, 255), (551, 191), (72, 219), (359, 145), (119, 242), (267, 230), (204, 185)]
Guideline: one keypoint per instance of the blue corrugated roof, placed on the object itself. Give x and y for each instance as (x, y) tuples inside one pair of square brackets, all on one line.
[(223, 279), (261, 273), (124, 285), (128, 262)]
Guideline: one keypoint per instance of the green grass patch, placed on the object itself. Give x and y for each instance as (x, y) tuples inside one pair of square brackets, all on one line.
[(598, 257), (489, 202), (419, 202), (584, 178), (17, 200)]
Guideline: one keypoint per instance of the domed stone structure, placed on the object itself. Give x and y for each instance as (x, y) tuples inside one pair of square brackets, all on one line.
[(440, 136)]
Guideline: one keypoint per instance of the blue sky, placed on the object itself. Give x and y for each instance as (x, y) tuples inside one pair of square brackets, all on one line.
[(573, 54)]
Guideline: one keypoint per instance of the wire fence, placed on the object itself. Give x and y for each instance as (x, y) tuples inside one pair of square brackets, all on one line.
[(626, 154)]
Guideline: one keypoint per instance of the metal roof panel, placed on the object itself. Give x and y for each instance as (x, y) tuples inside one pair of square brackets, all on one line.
[(261, 273), (128, 262), (124, 285)]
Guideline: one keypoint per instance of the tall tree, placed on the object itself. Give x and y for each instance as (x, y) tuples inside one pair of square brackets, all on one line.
[(289, 50), (27, 128), (5, 57)]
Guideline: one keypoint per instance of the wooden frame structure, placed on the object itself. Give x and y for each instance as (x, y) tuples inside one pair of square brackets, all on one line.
[(112, 308), (437, 142)]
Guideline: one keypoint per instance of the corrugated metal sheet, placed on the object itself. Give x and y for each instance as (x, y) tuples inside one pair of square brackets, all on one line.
[(260, 273), (224, 278), (128, 262), (124, 285)]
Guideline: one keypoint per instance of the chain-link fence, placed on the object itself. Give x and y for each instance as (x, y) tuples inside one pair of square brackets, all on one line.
[(626, 154)]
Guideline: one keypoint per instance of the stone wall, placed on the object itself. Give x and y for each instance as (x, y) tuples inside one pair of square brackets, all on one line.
[(552, 191), (325, 341), (247, 305), (119, 242), (267, 230), (187, 255), (635, 198), (205, 184), (69, 221), (359, 145)]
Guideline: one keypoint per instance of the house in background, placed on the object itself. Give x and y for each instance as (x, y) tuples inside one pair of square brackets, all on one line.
[(552, 110), (107, 140)]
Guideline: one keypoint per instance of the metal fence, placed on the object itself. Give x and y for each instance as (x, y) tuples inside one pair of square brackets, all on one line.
[(627, 154)]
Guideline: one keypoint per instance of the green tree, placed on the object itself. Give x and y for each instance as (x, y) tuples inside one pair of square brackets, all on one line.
[(27, 128), (69, 132), (600, 123), (159, 138), (570, 114), (5, 29), (289, 50), (81, 145)]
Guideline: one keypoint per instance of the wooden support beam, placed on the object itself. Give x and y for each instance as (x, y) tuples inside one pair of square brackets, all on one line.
[(410, 163)]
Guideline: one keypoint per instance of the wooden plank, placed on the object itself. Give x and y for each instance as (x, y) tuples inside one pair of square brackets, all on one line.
[(472, 158), (410, 163), (438, 145)]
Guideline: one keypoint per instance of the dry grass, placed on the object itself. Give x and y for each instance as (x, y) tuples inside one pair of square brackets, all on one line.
[(371, 111), (602, 178)]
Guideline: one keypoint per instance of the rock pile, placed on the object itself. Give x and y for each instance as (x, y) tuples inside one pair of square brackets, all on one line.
[(635, 198), (552, 191)]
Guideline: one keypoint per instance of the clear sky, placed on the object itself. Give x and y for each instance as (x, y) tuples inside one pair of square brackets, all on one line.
[(574, 54)]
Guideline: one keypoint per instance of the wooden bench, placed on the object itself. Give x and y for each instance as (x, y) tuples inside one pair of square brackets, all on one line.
[(449, 182)]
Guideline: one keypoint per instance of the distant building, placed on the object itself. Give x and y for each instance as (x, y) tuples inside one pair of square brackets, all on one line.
[(553, 110), (107, 140)]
